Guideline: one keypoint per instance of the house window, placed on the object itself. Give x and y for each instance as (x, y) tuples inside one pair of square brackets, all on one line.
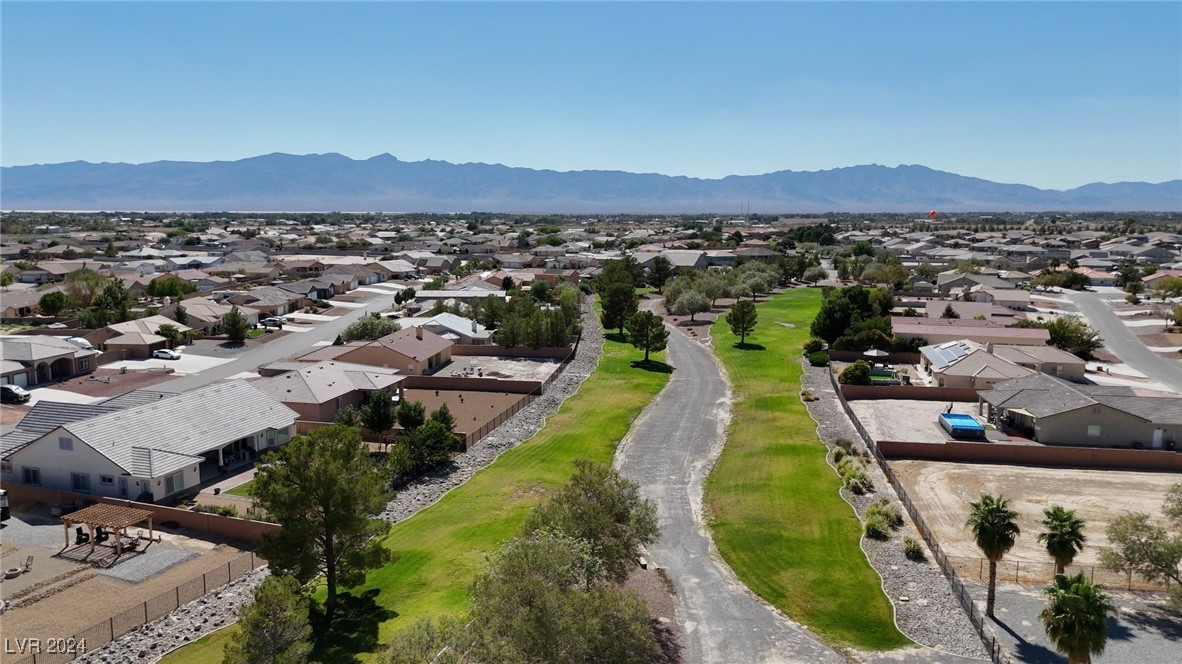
[(174, 483), (5, 466), (1058, 369), (84, 364), (31, 476), (1093, 431), (80, 482), (64, 443), (107, 480)]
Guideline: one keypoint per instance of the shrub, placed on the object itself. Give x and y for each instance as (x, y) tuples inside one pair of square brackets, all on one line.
[(912, 548), (807, 396), (859, 484), (845, 444), (813, 345), (849, 464), (857, 373), (839, 454), (887, 511), (876, 527), (220, 510), (819, 359)]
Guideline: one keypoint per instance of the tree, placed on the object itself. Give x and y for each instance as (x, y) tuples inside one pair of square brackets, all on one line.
[(170, 332), (1177, 315), (605, 510), (53, 303), (110, 251), (619, 303), (410, 415), (742, 319), (539, 290), (815, 274), (1074, 336), (659, 271), (1151, 551), (1076, 618), (647, 332), (370, 328), (181, 315), (691, 302), (507, 283), (1063, 536), (274, 627), (6, 279), (857, 373), (114, 300), (430, 445), (443, 416), (323, 488), (235, 326), (949, 312), (81, 286), (169, 285), (995, 528), (378, 415)]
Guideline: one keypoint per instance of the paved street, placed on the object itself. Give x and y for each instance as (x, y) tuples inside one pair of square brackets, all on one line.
[(669, 453), (1119, 339)]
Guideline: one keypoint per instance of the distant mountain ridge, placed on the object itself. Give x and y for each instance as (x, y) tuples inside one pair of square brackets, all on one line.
[(325, 182)]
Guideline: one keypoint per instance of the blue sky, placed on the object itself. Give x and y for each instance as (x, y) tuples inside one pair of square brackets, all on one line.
[(1049, 94)]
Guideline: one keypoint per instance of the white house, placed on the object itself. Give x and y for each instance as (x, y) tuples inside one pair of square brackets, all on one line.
[(144, 442)]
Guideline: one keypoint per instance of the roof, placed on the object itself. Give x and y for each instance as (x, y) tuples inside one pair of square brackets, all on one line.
[(36, 347), (964, 328), (1045, 396), (462, 327), (108, 516), (324, 381), (135, 339), (137, 398), (146, 325), (408, 343), (982, 364), (158, 438), (1036, 355), (45, 416)]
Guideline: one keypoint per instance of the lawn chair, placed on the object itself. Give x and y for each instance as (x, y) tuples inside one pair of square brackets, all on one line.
[(28, 565), (81, 536), (101, 535)]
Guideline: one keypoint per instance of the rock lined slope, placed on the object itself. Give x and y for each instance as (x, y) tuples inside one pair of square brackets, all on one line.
[(322, 182)]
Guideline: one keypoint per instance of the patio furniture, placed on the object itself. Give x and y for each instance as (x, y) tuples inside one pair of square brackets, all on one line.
[(81, 536), (113, 518), (100, 535), (28, 564)]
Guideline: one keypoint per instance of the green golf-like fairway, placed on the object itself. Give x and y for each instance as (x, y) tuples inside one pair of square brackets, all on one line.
[(444, 546), (774, 506)]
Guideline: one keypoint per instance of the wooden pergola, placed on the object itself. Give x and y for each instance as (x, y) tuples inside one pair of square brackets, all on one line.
[(115, 518)]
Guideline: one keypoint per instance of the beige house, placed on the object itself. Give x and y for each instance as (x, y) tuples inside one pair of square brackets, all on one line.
[(413, 352), (967, 364), (942, 330), (1055, 412), (318, 391), (1046, 359), (33, 359)]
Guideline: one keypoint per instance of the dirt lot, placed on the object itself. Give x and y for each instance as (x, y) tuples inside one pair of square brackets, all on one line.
[(906, 419), (472, 410), (943, 491), (110, 383)]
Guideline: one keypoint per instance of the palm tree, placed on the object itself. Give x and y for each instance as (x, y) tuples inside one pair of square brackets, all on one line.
[(995, 528), (1076, 619), (1063, 536)]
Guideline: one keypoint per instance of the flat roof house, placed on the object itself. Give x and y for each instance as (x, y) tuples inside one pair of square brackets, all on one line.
[(156, 449)]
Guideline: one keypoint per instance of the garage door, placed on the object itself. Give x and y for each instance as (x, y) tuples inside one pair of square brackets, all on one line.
[(21, 379)]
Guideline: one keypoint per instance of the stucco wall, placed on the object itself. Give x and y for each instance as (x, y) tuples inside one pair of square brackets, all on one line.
[(1117, 429)]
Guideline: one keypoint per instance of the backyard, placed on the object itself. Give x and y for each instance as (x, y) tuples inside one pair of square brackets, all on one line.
[(443, 547), (774, 507)]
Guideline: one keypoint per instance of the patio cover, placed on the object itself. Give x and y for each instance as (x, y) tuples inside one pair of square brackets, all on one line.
[(113, 517)]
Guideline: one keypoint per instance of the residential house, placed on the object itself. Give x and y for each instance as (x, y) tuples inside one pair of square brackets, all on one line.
[(44, 359), (967, 364), (206, 315), (941, 330), (1010, 298), (318, 391), (413, 351), (463, 331), (269, 300), (150, 451)]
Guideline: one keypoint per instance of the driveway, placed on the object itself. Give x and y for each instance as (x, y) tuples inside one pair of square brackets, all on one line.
[(1121, 341), (188, 363), (669, 452)]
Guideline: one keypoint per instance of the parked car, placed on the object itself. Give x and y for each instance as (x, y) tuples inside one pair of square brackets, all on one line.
[(166, 354), (14, 394), (272, 322)]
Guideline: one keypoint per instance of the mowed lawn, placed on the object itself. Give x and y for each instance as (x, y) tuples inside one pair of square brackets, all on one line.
[(444, 547), (774, 506)]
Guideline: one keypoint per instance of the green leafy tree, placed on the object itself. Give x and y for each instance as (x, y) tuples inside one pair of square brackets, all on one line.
[(324, 489), (507, 283), (274, 627), (598, 506), (1074, 336), (431, 445), (81, 286), (410, 415), (659, 272), (647, 332), (169, 285), (619, 303), (170, 332), (378, 414), (949, 312), (540, 290), (53, 303), (1149, 550), (443, 416), (110, 251), (181, 315), (370, 328), (857, 373), (349, 416), (115, 299), (815, 274), (1076, 618), (691, 303), (234, 325), (6, 279), (1062, 535), (995, 529), (742, 319)]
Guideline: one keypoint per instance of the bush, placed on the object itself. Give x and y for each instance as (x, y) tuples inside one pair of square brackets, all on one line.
[(839, 454), (887, 511), (813, 345), (857, 373), (859, 484), (876, 527), (220, 510), (912, 548), (819, 359), (807, 396), (849, 464), (845, 444)]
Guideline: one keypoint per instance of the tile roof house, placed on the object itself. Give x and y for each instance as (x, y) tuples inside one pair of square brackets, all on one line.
[(967, 364), (44, 358), (941, 330), (413, 352), (317, 391), (1055, 412), (154, 450)]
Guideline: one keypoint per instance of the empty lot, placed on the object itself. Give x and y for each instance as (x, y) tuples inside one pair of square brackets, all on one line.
[(942, 491), (906, 419)]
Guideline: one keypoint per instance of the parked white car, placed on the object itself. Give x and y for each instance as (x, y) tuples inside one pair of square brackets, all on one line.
[(166, 354)]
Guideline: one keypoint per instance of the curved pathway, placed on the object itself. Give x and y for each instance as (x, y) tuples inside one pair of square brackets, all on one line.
[(1119, 339), (669, 452)]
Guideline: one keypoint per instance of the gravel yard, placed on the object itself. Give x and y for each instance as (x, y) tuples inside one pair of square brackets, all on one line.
[(904, 419)]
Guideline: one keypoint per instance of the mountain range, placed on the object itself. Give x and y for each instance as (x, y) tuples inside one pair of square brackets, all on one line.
[(327, 182)]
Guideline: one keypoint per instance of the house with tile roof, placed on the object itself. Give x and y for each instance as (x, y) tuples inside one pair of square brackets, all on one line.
[(149, 449), (43, 358), (318, 391), (413, 352)]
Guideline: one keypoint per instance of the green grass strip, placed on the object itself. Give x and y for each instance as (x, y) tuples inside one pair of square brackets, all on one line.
[(444, 546), (776, 514)]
